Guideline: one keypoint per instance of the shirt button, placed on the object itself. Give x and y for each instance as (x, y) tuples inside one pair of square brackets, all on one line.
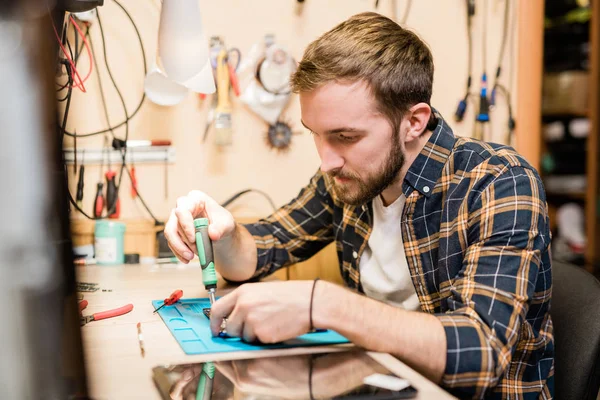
[(426, 189), (354, 254)]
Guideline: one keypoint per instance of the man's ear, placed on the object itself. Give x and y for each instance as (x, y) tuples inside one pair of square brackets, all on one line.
[(417, 119)]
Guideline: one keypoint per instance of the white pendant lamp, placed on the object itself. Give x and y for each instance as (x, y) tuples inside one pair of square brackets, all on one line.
[(183, 61)]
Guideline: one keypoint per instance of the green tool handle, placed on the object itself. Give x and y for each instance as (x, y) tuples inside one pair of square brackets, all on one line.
[(205, 254), (205, 383)]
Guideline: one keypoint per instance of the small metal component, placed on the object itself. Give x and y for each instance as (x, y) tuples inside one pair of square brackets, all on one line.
[(206, 312), (211, 295)]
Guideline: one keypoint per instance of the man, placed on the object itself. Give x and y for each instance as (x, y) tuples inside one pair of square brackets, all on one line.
[(447, 237)]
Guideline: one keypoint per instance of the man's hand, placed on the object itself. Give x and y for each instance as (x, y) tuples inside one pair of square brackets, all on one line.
[(180, 232), (288, 377), (279, 377), (269, 312), (185, 387)]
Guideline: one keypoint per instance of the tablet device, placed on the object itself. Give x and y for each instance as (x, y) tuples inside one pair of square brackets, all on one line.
[(348, 375)]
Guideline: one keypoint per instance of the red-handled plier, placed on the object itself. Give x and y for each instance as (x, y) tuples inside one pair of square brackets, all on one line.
[(105, 314)]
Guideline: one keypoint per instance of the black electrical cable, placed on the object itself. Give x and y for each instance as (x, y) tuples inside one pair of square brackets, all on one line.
[(484, 38), (504, 38), (73, 202), (127, 118), (110, 208), (78, 52), (497, 86), (470, 13), (511, 120), (68, 44), (243, 192), (68, 105), (101, 89), (139, 106), (139, 196), (126, 123)]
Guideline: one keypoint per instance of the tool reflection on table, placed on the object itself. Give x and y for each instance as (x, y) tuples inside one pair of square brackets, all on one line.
[(205, 254), (104, 314), (141, 339), (205, 383), (172, 299)]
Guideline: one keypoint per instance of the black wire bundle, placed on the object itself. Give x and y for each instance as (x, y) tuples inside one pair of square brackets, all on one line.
[(110, 130), (110, 207)]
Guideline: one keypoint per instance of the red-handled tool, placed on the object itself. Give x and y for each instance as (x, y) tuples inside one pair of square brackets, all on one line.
[(106, 314), (172, 299), (133, 183), (82, 305), (233, 79)]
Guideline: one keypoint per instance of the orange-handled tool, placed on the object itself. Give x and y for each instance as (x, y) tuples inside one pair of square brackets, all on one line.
[(82, 305), (172, 299)]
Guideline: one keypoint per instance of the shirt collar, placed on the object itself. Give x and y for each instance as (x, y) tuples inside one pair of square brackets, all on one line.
[(427, 167)]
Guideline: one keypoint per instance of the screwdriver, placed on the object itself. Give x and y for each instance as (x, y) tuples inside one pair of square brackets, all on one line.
[(113, 205), (79, 198), (172, 299), (205, 383), (205, 254)]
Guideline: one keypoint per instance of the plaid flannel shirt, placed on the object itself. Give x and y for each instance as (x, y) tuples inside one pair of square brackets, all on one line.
[(476, 236)]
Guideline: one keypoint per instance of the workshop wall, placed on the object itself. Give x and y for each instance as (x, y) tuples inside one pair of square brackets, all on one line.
[(249, 162)]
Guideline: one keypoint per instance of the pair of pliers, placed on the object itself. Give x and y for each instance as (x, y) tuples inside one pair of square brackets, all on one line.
[(84, 319)]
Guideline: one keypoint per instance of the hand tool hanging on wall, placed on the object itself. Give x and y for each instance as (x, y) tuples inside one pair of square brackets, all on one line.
[(266, 75), (279, 136), (99, 201), (113, 204), (133, 177), (79, 195), (227, 67), (223, 129)]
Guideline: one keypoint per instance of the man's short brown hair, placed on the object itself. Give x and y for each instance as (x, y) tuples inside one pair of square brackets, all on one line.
[(395, 62)]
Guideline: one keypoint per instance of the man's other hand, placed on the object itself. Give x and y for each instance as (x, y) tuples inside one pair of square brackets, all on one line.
[(269, 312)]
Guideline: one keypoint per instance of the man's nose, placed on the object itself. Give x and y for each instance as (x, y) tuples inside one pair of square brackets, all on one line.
[(330, 159)]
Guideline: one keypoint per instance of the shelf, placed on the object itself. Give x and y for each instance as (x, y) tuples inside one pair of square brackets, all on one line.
[(555, 116), (137, 155), (567, 195)]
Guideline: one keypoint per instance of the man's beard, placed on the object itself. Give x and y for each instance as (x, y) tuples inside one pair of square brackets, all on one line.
[(374, 184)]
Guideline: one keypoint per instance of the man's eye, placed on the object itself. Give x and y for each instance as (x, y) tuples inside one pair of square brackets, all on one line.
[(345, 138)]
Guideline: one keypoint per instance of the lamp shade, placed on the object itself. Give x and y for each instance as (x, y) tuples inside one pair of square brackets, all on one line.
[(183, 56)]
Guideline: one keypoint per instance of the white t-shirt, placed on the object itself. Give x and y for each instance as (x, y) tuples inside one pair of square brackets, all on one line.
[(384, 272)]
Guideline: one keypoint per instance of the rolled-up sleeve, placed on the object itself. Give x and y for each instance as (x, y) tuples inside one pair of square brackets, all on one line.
[(507, 234), (297, 230)]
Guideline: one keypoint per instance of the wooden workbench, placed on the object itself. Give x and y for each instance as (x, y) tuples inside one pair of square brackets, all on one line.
[(115, 367)]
